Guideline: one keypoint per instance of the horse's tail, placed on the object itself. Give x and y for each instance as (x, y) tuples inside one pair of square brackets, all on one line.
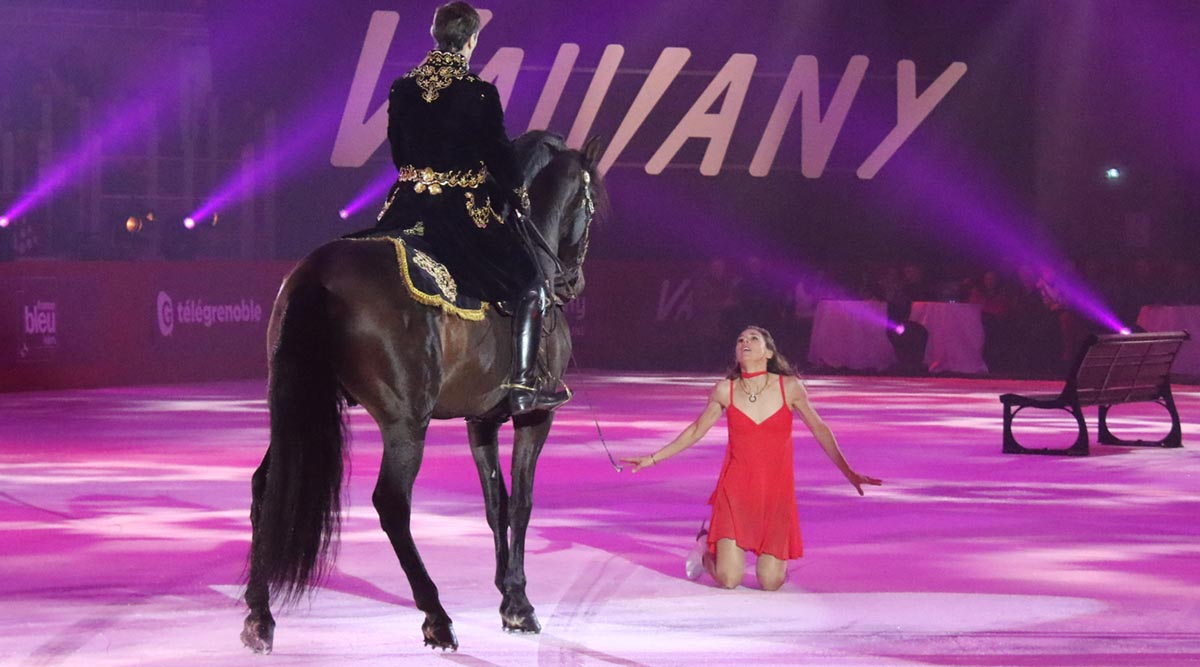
[(299, 509)]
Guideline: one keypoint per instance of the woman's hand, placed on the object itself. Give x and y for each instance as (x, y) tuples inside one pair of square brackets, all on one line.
[(640, 462), (858, 480), (689, 435)]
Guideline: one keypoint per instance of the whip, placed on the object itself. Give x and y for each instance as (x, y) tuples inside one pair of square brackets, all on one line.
[(595, 420)]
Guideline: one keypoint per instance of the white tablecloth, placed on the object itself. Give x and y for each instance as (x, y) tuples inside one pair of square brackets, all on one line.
[(955, 336), (1176, 318), (851, 334)]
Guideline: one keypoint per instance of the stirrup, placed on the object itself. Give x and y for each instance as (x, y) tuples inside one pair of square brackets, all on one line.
[(523, 399)]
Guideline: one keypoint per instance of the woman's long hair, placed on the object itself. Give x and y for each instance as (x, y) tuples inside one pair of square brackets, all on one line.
[(777, 364)]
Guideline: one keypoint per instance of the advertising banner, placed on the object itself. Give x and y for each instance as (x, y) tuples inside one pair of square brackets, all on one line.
[(48, 320), (82, 324), (201, 319), (797, 129)]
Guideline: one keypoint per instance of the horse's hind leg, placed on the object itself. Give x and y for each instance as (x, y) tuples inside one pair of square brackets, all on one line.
[(530, 433), (485, 450), (403, 444), (258, 632)]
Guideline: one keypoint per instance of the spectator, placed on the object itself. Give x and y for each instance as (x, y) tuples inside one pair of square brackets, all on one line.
[(996, 304)]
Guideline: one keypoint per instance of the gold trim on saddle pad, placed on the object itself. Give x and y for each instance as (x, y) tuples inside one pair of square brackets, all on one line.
[(441, 276)]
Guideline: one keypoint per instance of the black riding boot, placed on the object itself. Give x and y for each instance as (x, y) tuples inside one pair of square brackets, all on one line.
[(524, 396)]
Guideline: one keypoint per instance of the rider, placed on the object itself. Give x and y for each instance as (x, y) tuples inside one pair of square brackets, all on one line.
[(459, 176)]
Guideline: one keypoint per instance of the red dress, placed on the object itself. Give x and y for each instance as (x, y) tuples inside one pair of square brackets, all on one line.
[(755, 499)]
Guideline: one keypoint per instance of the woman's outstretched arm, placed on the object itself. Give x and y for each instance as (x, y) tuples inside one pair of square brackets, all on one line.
[(797, 397), (717, 402)]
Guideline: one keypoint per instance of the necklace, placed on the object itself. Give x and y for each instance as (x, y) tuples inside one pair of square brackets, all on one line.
[(753, 396)]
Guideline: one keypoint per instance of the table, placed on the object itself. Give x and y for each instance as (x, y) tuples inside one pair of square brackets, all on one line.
[(1176, 318), (955, 336), (851, 334)]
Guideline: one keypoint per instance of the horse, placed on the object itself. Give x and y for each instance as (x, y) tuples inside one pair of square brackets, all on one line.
[(344, 330)]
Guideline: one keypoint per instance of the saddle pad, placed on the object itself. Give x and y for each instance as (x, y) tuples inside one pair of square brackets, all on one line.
[(428, 281)]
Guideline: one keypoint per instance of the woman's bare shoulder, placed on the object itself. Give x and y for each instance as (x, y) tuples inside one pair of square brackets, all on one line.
[(793, 381), (794, 386), (720, 391)]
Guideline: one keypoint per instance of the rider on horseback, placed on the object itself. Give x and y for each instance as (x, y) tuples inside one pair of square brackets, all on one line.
[(460, 186)]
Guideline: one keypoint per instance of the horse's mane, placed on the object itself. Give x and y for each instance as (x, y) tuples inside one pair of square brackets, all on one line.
[(535, 149)]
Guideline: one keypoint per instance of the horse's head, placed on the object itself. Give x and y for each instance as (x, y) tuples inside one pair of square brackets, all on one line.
[(565, 194)]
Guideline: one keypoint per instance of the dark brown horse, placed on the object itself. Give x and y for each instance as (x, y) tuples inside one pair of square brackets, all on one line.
[(344, 329)]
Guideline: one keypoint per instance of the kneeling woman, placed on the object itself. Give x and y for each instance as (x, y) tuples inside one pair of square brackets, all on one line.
[(754, 504)]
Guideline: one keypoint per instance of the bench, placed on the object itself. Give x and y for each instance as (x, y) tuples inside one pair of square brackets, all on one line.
[(1108, 370)]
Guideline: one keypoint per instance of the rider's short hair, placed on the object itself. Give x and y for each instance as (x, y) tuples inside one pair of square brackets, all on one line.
[(453, 25)]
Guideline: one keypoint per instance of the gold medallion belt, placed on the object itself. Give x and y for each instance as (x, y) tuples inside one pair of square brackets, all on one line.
[(425, 179)]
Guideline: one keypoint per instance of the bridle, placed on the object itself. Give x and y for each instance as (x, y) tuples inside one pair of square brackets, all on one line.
[(566, 279)]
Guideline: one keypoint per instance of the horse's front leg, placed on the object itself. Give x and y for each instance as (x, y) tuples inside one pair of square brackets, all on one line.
[(530, 433), (485, 450), (403, 446)]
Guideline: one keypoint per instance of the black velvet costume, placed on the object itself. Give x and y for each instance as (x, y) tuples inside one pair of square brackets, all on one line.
[(459, 177)]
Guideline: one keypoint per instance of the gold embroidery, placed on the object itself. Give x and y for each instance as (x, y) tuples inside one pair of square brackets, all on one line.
[(428, 180), (481, 215), (472, 315), (439, 70), (440, 275), (416, 230)]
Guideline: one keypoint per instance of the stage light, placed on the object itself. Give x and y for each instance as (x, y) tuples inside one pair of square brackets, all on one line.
[(4, 222), (189, 223), (1113, 174), (370, 196), (133, 224), (1125, 331), (899, 329)]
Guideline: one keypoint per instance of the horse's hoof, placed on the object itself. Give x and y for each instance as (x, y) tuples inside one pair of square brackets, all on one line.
[(524, 622), (440, 635), (258, 634)]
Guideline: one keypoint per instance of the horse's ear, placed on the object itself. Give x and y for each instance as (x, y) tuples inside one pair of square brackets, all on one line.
[(592, 150)]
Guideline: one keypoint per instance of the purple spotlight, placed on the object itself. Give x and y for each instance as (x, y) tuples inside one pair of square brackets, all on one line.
[(1125, 331), (189, 222), (899, 329), (110, 136), (4, 221), (271, 166), (372, 195)]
